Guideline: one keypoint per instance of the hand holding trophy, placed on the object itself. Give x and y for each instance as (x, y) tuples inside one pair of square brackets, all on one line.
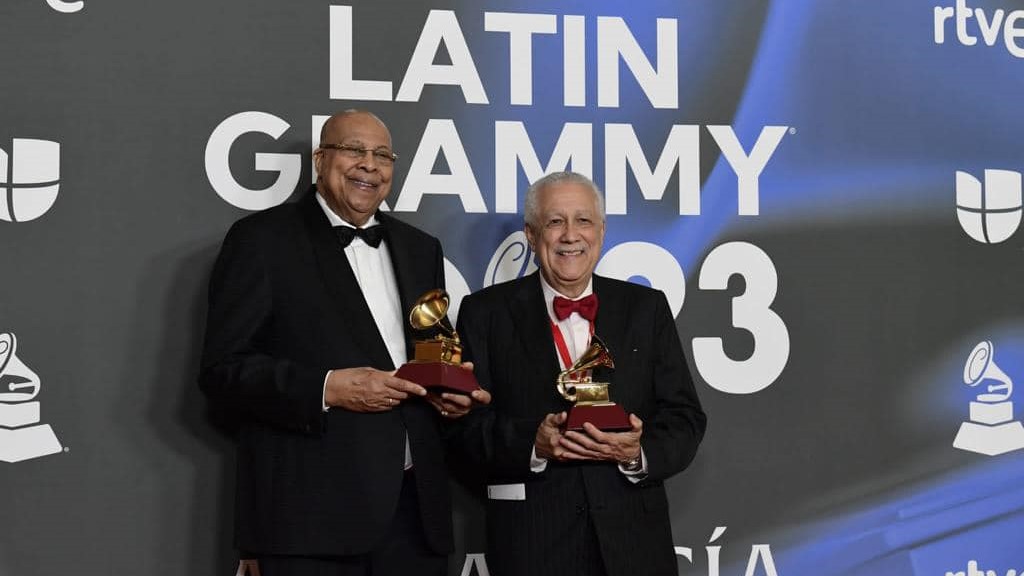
[(591, 398), (437, 363)]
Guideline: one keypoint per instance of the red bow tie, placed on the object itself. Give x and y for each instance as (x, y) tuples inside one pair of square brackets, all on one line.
[(585, 307)]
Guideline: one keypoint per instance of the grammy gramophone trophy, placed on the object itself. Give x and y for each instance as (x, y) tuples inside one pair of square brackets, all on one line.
[(21, 435), (437, 363), (591, 398)]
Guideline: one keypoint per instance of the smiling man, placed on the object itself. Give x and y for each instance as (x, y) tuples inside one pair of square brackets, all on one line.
[(354, 166), (340, 465), (587, 503)]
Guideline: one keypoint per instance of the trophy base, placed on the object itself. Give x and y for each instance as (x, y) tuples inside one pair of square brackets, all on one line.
[(609, 417), (439, 375), (27, 443), (990, 440)]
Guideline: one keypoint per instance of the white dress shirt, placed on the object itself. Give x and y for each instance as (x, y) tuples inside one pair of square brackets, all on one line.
[(373, 269)]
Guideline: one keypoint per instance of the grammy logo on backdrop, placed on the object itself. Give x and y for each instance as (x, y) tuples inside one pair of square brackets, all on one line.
[(991, 429), (22, 437)]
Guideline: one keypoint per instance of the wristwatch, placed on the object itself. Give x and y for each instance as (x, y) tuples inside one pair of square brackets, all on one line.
[(634, 465)]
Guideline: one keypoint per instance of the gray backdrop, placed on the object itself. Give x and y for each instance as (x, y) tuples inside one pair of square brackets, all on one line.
[(830, 447)]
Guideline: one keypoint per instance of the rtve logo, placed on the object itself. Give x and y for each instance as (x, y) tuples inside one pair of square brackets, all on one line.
[(66, 7), (29, 179), (989, 213), (959, 20)]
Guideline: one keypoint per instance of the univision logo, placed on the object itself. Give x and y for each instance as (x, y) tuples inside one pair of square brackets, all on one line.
[(989, 213), (29, 179)]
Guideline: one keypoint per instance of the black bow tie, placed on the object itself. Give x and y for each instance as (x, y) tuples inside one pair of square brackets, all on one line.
[(372, 235)]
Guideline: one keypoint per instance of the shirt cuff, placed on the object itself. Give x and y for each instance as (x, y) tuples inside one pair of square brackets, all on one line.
[(537, 465), (323, 397), (636, 476)]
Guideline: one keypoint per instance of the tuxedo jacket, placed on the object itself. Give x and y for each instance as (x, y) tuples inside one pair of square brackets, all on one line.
[(284, 308), (507, 335)]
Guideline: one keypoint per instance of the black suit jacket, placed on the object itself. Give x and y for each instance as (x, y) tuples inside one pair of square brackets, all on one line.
[(507, 335), (284, 308)]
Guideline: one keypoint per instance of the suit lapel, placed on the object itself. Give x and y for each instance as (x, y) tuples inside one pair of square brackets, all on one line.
[(341, 283), (403, 261), (612, 321), (408, 269), (529, 314)]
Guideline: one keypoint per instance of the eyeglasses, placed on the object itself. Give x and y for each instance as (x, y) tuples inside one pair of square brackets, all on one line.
[(382, 155)]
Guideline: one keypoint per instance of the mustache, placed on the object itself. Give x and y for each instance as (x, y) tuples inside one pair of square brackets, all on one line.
[(581, 246)]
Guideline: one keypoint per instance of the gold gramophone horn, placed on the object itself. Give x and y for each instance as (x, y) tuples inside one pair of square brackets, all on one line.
[(431, 310), (595, 355)]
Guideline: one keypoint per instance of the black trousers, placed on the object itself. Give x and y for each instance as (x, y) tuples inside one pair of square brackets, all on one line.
[(403, 552)]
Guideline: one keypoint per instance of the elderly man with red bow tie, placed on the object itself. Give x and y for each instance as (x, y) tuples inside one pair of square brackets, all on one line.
[(588, 502)]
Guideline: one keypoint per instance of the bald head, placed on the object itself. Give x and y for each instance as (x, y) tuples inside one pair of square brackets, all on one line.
[(334, 128)]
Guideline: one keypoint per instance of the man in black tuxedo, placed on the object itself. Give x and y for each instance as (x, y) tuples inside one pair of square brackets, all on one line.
[(565, 503), (340, 463)]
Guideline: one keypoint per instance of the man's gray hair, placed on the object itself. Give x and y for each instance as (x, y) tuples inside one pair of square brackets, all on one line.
[(530, 205)]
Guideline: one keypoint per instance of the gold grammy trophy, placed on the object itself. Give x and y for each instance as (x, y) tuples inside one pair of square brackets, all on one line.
[(437, 363), (591, 398)]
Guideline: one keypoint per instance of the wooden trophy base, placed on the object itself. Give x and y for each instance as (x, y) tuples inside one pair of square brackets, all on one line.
[(448, 377), (607, 417)]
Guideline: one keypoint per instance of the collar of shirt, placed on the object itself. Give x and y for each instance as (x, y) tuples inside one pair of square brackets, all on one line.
[(336, 220), (549, 298)]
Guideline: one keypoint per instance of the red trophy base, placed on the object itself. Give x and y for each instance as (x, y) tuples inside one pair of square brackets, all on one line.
[(439, 375), (608, 417)]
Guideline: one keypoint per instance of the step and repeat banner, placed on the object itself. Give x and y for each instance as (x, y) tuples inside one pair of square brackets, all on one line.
[(829, 193)]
